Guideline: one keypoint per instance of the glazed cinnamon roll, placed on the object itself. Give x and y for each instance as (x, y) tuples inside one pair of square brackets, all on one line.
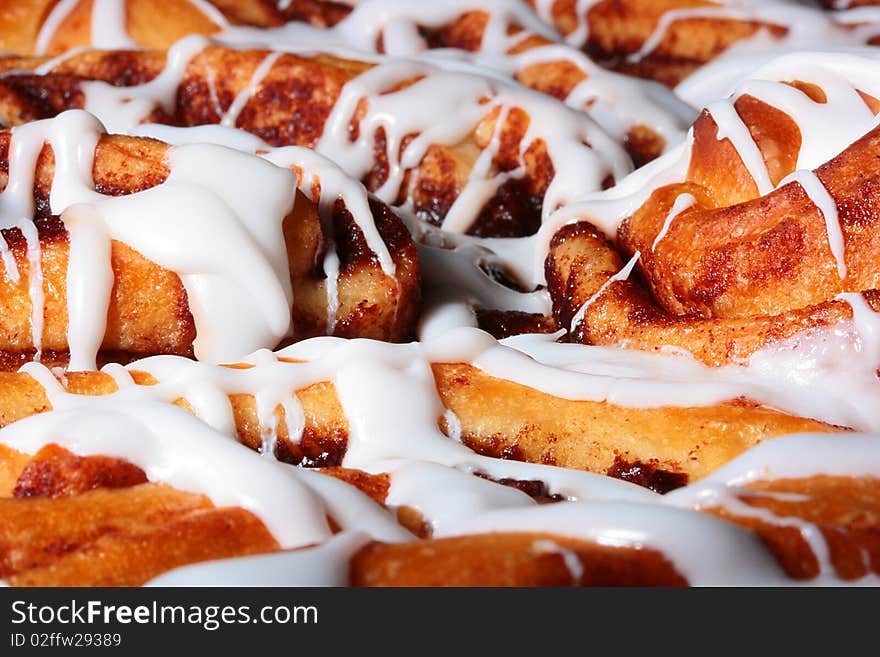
[(668, 40), (506, 37), (775, 243), (325, 293), (462, 150), (791, 525), (119, 246)]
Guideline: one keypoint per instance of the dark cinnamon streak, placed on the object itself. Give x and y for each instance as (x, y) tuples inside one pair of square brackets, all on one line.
[(56, 472), (647, 475), (534, 488)]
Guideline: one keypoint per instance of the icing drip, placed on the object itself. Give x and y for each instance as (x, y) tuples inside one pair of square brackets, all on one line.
[(122, 108), (53, 21), (569, 558), (313, 170), (109, 25), (732, 128)]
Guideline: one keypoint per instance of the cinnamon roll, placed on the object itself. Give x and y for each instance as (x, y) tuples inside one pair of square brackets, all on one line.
[(376, 293), (485, 161), (506, 37), (670, 40), (772, 247)]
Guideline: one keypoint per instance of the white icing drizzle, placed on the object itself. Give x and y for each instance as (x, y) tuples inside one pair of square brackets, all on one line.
[(675, 15), (122, 108), (442, 107), (208, 192), (724, 555), (617, 103), (682, 202), (231, 116), (387, 391), (806, 30), (108, 23), (50, 64), (571, 560), (207, 8), (53, 21), (622, 275), (313, 170), (732, 128), (323, 565), (818, 194)]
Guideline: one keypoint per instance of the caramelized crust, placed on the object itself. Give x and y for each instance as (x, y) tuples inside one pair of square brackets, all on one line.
[(56, 472), (101, 526), (759, 255), (149, 313), (581, 260)]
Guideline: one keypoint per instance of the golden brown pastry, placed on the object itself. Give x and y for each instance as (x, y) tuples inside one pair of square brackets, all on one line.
[(116, 528)]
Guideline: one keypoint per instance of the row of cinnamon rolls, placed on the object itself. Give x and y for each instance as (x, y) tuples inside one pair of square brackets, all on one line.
[(597, 277)]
